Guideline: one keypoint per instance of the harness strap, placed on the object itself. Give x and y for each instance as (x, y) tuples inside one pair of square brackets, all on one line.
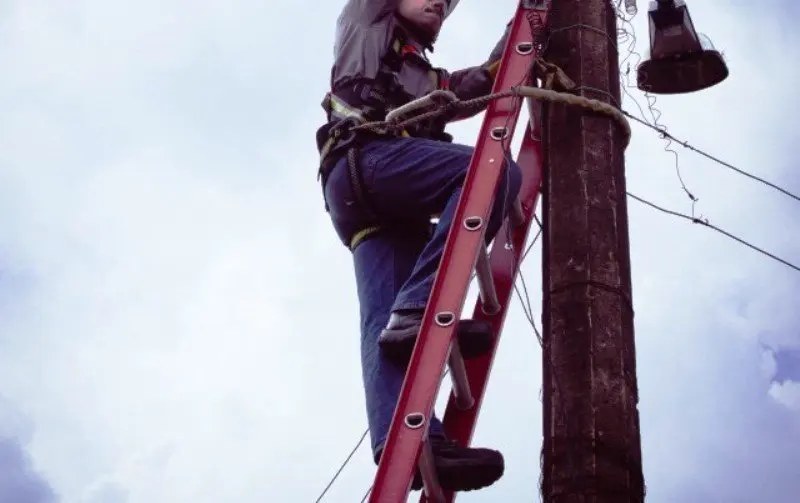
[(375, 104), (364, 100), (361, 236), (357, 182)]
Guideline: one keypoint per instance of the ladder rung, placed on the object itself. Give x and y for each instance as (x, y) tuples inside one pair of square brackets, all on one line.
[(427, 469), (516, 215), (488, 292), (458, 374)]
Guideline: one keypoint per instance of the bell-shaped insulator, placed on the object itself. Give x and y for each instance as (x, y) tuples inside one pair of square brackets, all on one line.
[(681, 59)]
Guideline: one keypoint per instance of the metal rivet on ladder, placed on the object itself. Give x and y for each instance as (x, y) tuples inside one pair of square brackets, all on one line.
[(524, 48), (499, 133), (415, 420), (473, 223), (445, 318)]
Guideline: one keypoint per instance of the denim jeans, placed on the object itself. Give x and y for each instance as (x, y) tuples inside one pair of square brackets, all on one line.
[(406, 181)]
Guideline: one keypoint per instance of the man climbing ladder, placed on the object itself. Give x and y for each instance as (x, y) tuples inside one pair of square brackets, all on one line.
[(381, 192)]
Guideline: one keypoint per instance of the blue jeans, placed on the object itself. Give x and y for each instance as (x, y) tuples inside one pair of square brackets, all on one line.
[(406, 180)]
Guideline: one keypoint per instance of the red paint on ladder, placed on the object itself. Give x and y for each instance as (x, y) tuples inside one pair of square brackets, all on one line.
[(459, 425)]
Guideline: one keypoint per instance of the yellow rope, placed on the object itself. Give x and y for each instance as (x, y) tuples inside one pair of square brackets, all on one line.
[(552, 75)]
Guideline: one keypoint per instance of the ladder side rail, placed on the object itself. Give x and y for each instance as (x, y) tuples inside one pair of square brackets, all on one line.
[(422, 380), (459, 424), (505, 264)]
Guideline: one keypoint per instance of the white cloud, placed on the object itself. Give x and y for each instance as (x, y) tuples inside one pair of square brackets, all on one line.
[(180, 321), (787, 393)]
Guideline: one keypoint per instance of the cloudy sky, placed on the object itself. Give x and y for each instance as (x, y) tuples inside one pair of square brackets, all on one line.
[(178, 321)]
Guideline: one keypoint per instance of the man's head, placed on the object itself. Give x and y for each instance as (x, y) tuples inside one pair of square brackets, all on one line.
[(426, 15)]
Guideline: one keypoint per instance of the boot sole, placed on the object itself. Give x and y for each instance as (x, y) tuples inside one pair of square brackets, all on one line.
[(462, 477), (468, 477), (474, 339)]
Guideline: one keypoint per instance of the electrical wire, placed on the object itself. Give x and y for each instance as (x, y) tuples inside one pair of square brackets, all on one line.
[(530, 246), (350, 456), (366, 494), (706, 223), (626, 34), (687, 145), (341, 467), (527, 309)]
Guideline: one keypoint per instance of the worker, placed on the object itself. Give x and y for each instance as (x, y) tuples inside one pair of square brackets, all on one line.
[(382, 190)]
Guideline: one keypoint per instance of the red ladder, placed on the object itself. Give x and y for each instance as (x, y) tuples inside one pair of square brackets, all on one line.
[(405, 446)]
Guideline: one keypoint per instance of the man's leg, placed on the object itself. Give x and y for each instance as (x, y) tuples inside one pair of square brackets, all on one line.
[(420, 177), (382, 264), (413, 162)]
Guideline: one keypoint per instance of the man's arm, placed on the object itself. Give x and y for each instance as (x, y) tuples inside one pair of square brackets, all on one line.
[(369, 11), (477, 81)]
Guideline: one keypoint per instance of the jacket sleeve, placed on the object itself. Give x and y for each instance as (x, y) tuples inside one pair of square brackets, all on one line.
[(476, 81), (368, 11)]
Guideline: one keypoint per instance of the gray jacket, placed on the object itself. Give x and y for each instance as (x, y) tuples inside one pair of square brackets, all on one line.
[(365, 29)]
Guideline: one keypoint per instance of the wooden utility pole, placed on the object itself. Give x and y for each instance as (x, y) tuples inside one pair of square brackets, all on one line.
[(592, 448)]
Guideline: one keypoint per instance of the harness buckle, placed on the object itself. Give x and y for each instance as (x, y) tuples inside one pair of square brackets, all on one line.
[(344, 126)]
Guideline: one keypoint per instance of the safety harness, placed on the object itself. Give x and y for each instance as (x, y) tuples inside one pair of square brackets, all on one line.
[(366, 100)]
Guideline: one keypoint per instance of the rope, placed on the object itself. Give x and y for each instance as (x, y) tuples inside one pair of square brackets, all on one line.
[(597, 106)]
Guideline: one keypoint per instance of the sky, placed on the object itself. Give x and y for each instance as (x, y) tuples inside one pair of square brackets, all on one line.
[(178, 320)]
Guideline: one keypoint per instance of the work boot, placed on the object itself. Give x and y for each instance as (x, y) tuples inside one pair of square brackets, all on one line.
[(461, 468), (397, 340)]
